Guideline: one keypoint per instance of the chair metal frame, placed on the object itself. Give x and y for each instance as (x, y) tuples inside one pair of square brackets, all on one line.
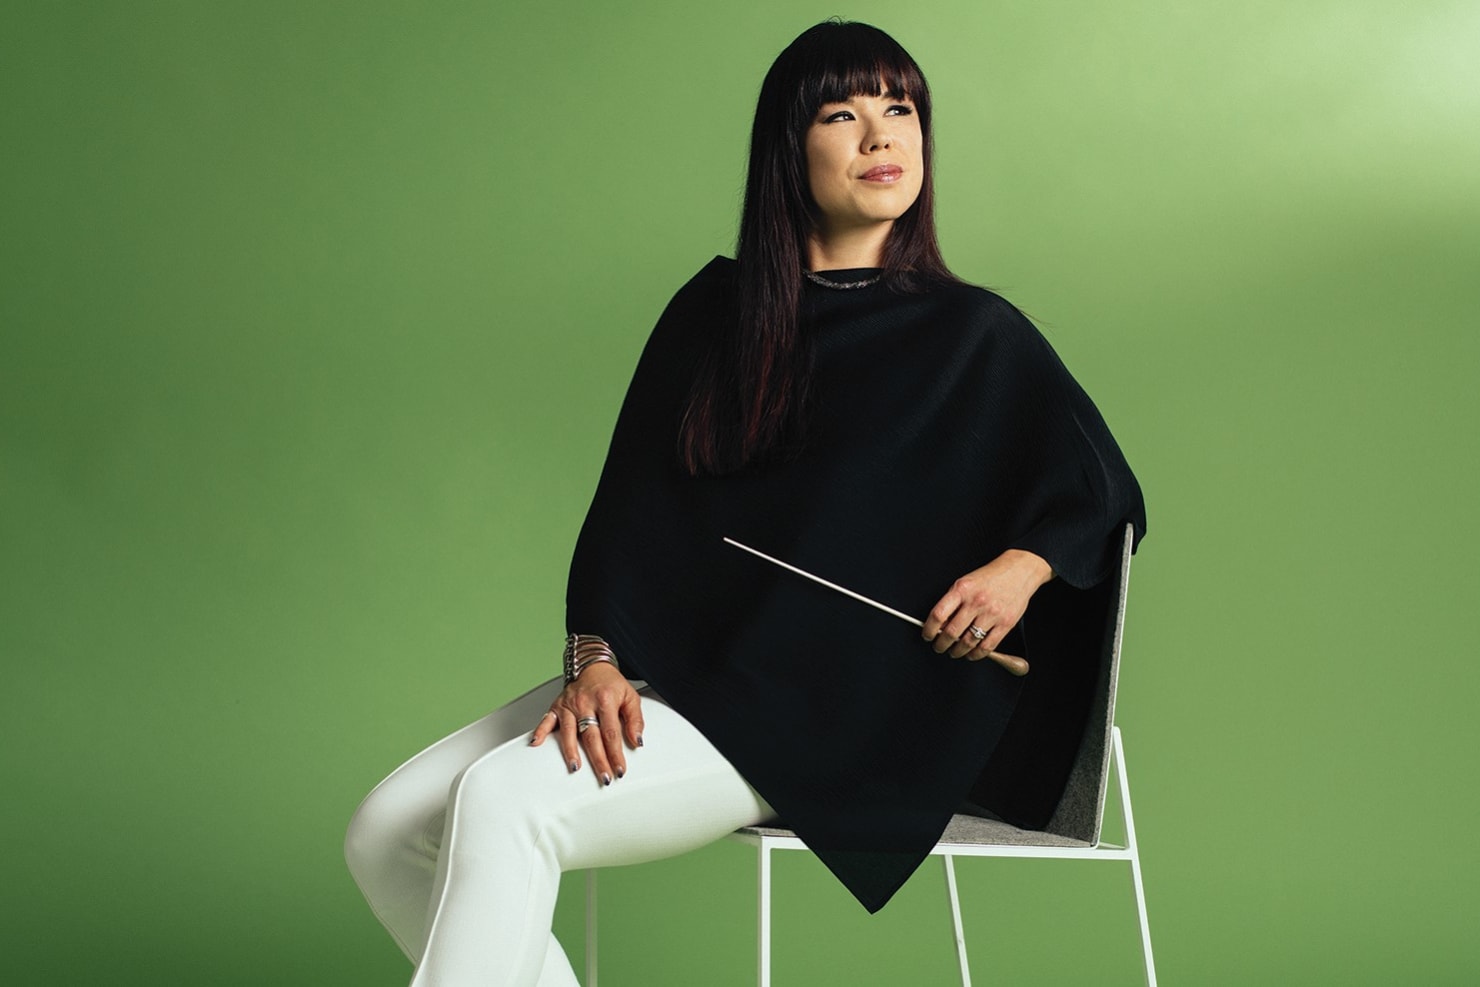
[(1072, 834)]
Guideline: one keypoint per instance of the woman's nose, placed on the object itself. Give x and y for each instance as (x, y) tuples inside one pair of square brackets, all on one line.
[(878, 138)]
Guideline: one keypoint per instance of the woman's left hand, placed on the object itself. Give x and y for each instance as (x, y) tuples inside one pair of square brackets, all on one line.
[(991, 599)]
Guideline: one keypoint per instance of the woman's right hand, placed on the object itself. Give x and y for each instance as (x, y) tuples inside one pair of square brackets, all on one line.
[(603, 692)]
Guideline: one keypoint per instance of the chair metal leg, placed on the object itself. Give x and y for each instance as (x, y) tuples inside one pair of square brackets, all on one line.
[(763, 933), (956, 918), (1130, 844), (591, 927)]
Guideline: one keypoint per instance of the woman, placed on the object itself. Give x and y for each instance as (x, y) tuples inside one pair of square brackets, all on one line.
[(834, 397)]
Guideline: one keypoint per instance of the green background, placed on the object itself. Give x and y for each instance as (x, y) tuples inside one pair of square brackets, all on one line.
[(315, 319)]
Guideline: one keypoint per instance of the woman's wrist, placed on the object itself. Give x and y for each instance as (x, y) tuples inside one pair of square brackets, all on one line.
[(1034, 567), (584, 650)]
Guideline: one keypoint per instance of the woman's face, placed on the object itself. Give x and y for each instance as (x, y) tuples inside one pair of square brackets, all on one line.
[(864, 162)]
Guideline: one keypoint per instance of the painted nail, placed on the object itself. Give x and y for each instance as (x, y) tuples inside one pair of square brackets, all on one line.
[(574, 767), (606, 779), (621, 773), (639, 740)]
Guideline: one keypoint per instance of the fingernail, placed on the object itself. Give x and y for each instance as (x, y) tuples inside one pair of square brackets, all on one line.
[(574, 767), (606, 779), (639, 740), (531, 741), (621, 773)]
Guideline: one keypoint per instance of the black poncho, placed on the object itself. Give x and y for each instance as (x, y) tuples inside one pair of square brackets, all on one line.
[(944, 431)]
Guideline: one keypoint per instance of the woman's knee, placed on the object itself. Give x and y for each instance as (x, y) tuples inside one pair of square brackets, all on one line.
[(394, 819), (368, 835)]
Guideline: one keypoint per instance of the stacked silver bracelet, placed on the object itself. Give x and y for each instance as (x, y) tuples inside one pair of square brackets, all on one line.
[(583, 650)]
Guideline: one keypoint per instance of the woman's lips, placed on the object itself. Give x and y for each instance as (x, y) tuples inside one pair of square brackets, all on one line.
[(882, 173)]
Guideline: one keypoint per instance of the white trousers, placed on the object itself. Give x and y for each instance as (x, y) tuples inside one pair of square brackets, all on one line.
[(459, 852)]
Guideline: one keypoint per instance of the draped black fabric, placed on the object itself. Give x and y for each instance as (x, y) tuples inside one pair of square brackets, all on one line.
[(945, 431)]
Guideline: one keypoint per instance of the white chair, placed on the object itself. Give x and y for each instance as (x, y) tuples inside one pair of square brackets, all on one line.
[(1073, 833)]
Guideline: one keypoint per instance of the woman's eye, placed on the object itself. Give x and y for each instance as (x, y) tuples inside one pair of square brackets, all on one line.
[(835, 117), (898, 110)]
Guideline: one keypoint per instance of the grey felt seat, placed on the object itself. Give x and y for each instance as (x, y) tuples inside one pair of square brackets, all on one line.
[(965, 830), (974, 829)]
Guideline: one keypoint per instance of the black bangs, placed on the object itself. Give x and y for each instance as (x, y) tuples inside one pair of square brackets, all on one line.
[(877, 79), (837, 60)]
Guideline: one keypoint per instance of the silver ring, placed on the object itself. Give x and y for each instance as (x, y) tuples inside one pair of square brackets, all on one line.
[(584, 722), (977, 632)]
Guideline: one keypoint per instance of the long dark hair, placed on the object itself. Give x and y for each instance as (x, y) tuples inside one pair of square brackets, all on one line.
[(749, 397)]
